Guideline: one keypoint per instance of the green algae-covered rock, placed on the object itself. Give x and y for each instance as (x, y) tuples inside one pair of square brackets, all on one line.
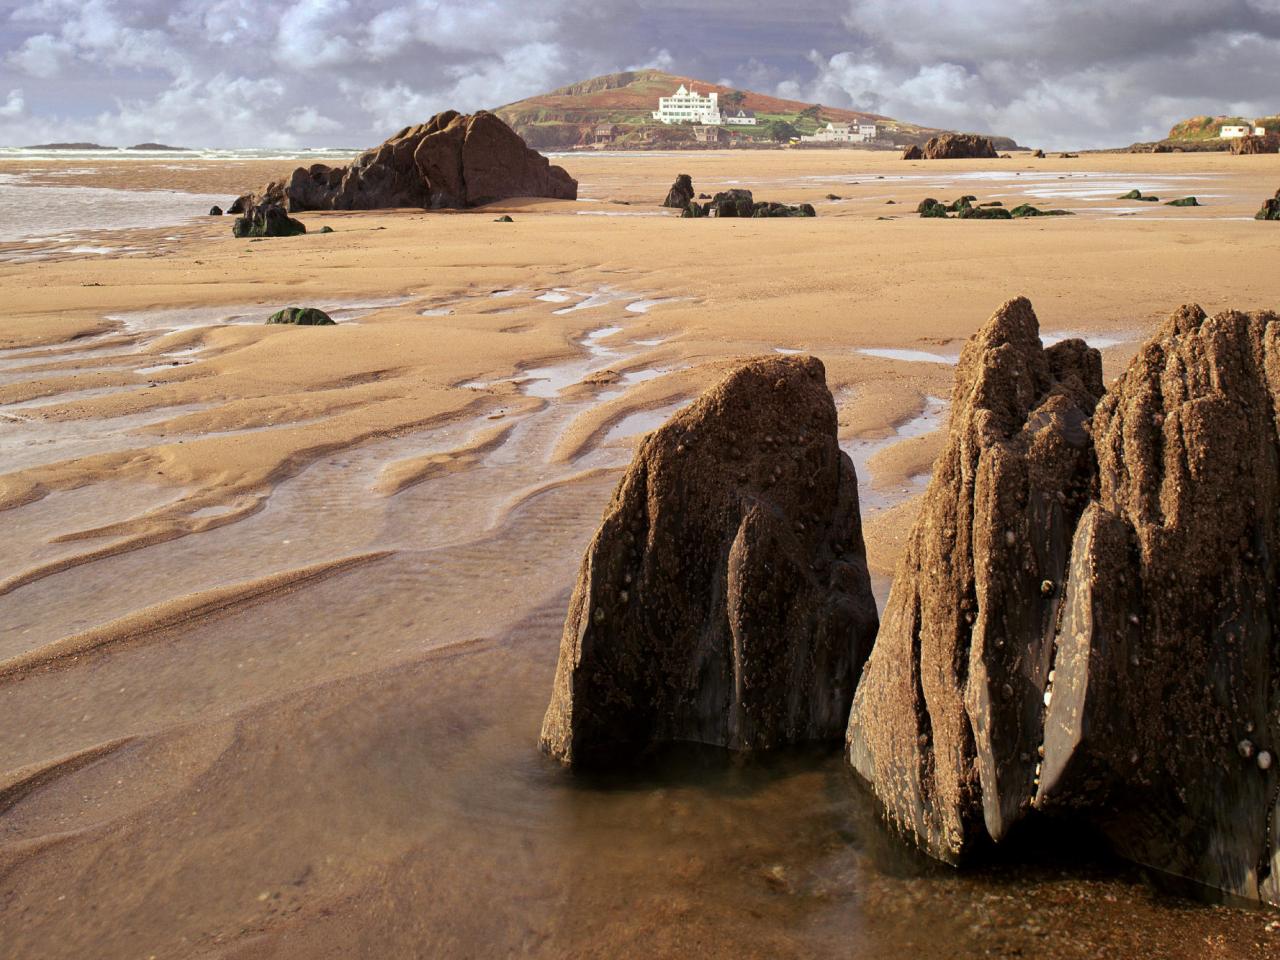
[(693, 210), (1027, 210), (1270, 209), (302, 317), (504, 219), (984, 213), (1184, 202)]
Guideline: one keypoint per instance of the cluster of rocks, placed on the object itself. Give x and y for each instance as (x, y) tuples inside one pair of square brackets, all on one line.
[(1270, 209), (1085, 622), (968, 208), (1147, 198), (741, 203), (725, 598), (453, 160), (953, 146)]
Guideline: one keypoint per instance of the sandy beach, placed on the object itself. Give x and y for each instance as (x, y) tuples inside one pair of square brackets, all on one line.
[(280, 606)]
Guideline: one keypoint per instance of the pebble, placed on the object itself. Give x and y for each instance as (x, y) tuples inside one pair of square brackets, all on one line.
[(1245, 748), (1264, 760)]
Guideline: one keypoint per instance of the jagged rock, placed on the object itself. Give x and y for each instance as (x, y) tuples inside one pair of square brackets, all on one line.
[(302, 317), (215, 211), (693, 210), (773, 209), (1269, 143), (725, 598), (959, 146), (946, 720), (267, 220), (1270, 209), (452, 160), (240, 204), (681, 193), (1086, 622), (1165, 696), (913, 152), (731, 203), (1038, 155)]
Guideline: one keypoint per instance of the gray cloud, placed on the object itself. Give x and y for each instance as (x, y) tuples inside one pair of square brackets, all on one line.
[(347, 72)]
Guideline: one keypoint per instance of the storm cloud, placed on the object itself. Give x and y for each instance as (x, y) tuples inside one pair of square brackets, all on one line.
[(348, 72)]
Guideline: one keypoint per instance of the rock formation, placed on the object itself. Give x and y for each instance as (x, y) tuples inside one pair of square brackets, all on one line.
[(266, 220), (946, 720), (453, 160), (725, 598), (302, 317), (913, 152), (215, 211), (1086, 620), (1038, 155), (1270, 209), (1269, 143), (960, 146), (681, 193)]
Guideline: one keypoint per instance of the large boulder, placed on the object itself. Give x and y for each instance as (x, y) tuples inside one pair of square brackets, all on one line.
[(960, 146), (1164, 713), (913, 152), (1086, 622), (267, 220), (302, 317), (681, 193), (946, 721), (452, 160), (1270, 209), (731, 203), (725, 598)]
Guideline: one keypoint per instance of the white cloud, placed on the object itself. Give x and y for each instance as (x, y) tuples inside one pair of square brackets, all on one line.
[(14, 105), (310, 120), (41, 56)]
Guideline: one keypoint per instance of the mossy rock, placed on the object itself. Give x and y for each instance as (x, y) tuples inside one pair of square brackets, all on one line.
[(693, 211), (302, 317), (992, 203), (326, 229), (267, 220), (984, 213), (962, 203), (927, 204), (1270, 209), (504, 219), (1131, 195), (1027, 210), (937, 212), (1184, 202)]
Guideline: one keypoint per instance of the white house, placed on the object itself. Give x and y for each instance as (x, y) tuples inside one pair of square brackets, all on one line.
[(844, 133), (739, 117), (688, 106), (1235, 132)]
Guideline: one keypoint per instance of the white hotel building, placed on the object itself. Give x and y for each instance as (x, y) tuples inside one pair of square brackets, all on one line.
[(844, 133), (689, 106)]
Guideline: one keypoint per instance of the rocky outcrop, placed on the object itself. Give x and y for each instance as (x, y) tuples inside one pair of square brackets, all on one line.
[(1136, 687), (725, 598), (1269, 143), (960, 146), (453, 160), (266, 220), (1038, 155), (946, 720), (1171, 617), (1270, 209), (913, 152), (681, 193), (302, 317), (215, 211)]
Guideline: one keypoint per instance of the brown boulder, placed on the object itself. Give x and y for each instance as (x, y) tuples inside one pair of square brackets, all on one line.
[(725, 598), (946, 720), (913, 152), (960, 146), (451, 161), (1164, 719), (1038, 155), (681, 193)]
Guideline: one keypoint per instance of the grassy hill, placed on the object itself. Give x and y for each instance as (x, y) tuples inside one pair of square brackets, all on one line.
[(1203, 131), (568, 117)]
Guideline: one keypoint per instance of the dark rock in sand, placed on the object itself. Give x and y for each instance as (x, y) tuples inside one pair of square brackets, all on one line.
[(302, 317), (1270, 209), (326, 229), (681, 193), (1184, 202), (945, 725), (1164, 719), (983, 212), (240, 204), (725, 598), (451, 161), (731, 203), (215, 211), (913, 152), (267, 220), (959, 146), (1138, 195), (1038, 155), (693, 210), (505, 218), (1027, 210)]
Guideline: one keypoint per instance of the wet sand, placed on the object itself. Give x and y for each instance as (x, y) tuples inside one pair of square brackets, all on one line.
[(281, 605)]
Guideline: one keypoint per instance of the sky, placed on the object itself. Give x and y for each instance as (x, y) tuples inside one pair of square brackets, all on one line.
[(289, 73)]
